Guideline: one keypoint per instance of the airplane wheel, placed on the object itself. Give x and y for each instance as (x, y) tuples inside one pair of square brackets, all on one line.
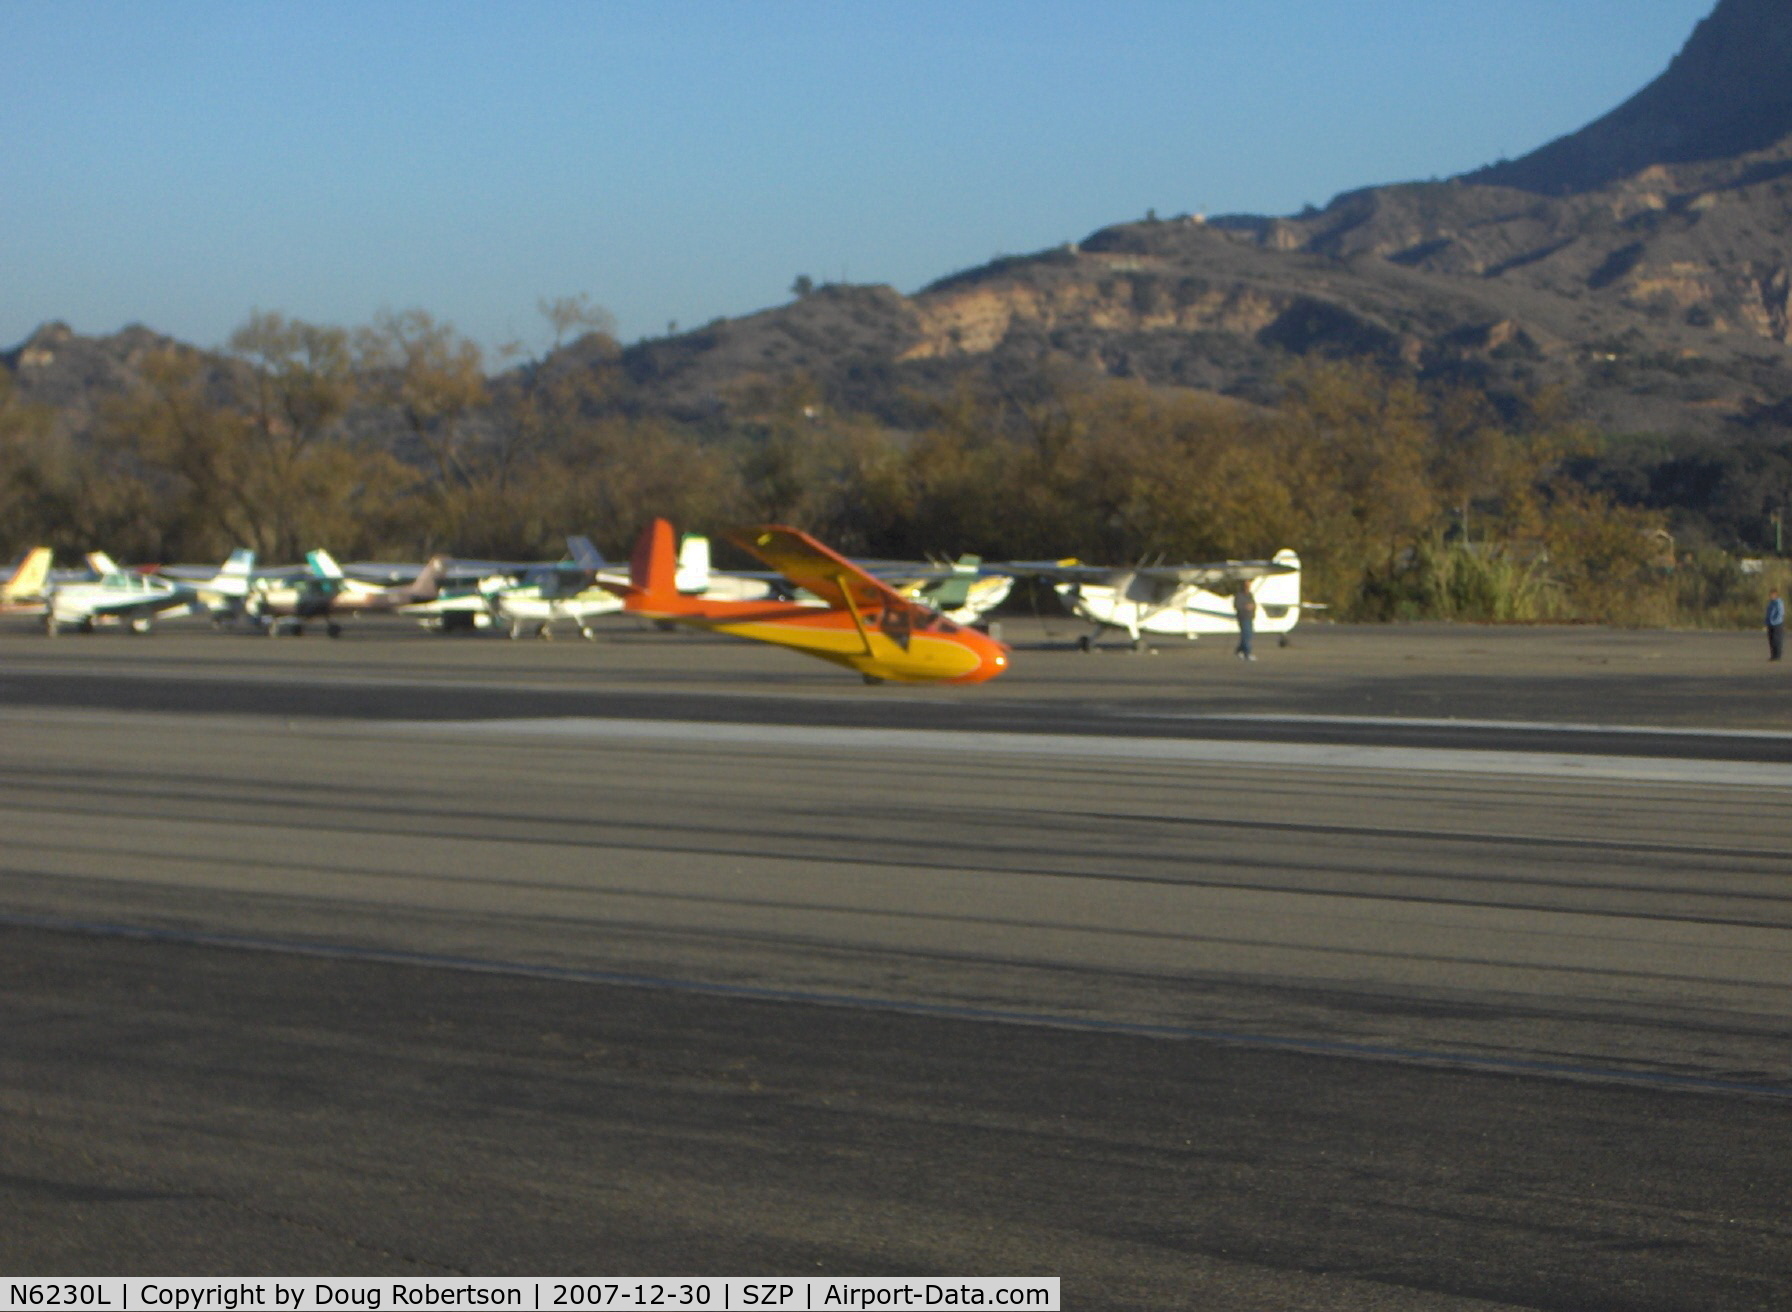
[(142, 626), (516, 632), (871, 679), (86, 625), (589, 635), (334, 630), (298, 630), (1084, 644), (1140, 645), (1284, 641), (545, 633)]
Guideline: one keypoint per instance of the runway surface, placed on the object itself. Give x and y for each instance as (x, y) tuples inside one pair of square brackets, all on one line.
[(1403, 968)]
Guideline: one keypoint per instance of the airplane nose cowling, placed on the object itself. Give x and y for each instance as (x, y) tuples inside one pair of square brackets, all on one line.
[(992, 658)]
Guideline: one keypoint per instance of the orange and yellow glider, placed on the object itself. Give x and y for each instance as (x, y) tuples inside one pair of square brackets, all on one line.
[(863, 623)]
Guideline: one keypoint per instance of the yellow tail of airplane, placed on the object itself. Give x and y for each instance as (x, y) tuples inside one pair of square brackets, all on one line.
[(27, 581)]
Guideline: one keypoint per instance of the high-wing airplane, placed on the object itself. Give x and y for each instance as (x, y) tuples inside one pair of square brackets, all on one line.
[(961, 591), (325, 594), (22, 592), (862, 623), (543, 595), (584, 588), (224, 592), (1174, 600)]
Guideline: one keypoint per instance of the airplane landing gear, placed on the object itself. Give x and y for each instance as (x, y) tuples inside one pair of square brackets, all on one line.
[(1084, 643)]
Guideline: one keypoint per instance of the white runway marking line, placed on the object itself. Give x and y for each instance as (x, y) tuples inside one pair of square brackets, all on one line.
[(1436, 722), (1301, 756)]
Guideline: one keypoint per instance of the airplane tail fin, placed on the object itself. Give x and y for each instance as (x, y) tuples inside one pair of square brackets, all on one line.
[(29, 578), (1279, 593), (323, 564), (233, 578), (653, 568), (102, 564), (428, 583), (585, 555), (693, 563)]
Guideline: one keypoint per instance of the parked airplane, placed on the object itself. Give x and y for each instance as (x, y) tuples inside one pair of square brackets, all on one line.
[(1174, 600), (862, 623), (114, 596), (583, 588), (543, 595), (960, 591), (325, 594), (224, 592), (22, 592)]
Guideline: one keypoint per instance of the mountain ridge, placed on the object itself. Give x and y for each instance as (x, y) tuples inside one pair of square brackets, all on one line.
[(1626, 264)]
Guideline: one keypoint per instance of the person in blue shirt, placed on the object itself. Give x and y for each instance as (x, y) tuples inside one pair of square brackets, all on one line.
[(1776, 625)]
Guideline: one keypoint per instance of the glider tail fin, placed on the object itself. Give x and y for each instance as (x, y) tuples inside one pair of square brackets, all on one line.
[(653, 568)]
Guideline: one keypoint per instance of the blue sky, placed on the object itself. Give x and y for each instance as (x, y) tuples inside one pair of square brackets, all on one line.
[(180, 163)]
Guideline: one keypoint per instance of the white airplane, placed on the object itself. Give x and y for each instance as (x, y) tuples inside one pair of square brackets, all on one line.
[(114, 596), (1174, 600), (224, 592), (962, 591), (577, 590), (566, 590), (459, 606), (697, 578), (22, 592)]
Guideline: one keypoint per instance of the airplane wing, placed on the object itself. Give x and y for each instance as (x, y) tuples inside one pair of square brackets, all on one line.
[(1198, 575), (1220, 571), (1060, 571), (823, 573)]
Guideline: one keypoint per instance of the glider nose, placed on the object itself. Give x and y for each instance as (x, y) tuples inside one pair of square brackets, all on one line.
[(992, 658)]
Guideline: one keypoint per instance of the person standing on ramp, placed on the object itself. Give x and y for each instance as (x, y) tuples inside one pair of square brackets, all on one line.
[(1244, 605)]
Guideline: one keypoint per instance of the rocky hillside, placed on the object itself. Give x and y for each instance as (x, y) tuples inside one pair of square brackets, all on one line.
[(1643, 263)]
